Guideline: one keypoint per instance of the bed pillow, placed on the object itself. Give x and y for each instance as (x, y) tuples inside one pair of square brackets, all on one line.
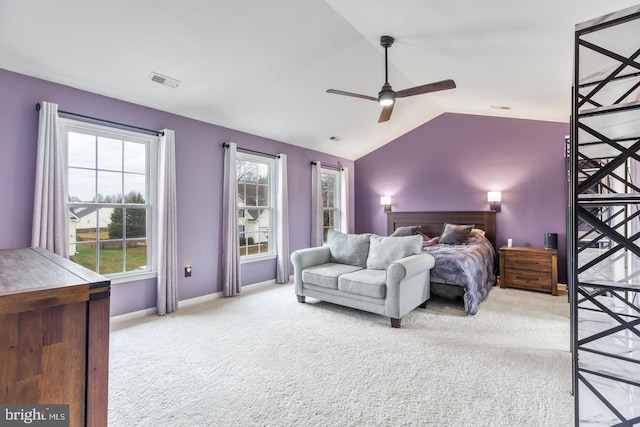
[(455, 234), (477, 232), (405, 231), (432, 241), (350, 249), (385, 250)]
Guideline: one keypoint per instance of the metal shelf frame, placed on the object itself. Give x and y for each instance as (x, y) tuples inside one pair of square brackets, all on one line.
[(604, 201)]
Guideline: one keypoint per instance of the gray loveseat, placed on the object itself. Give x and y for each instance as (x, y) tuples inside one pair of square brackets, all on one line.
[(383, 275)]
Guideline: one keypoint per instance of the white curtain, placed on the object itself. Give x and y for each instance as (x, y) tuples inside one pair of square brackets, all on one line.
[(316, 204), (50, 219), (283, 264), (344, 200), (230, 241), (167, 234)]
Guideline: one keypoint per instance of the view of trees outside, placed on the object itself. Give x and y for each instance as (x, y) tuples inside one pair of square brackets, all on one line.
[(106, 176), (329, 208), (254, 206)]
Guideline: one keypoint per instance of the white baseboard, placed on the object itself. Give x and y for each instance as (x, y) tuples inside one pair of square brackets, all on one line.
[(187, 302)]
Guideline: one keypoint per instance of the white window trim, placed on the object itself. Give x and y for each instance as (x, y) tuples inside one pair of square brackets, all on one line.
[(66, 125), (244, 259)]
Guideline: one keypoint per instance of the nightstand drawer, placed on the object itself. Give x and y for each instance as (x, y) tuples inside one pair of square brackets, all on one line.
[(529, 268), (529, 262), (527, 279)]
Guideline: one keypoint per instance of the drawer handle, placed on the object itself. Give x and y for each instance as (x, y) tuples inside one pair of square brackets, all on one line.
[(526, 262), (528, 278)]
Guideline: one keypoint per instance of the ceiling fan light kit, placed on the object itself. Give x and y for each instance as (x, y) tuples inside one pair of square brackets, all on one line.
[(387, 96)]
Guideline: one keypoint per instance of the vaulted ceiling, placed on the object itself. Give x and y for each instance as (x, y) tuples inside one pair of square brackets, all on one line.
[(263, 67)]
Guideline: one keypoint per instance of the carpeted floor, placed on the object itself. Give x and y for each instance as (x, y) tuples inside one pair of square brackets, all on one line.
[(263, 359)]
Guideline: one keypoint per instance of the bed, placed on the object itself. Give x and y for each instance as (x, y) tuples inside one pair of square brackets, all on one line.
[(468, 270)]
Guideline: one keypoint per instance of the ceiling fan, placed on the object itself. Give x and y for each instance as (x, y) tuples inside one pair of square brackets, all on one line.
[(387, 96)]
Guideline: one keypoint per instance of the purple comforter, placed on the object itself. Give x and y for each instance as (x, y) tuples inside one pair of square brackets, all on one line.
[(470, 266)]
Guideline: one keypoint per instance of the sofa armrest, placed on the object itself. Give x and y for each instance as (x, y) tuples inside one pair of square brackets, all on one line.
[(408, 267), (408, 284), (304, 258)]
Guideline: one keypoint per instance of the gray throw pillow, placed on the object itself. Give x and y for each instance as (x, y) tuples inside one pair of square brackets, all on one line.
[(454, 234), (385, 250), (405, 231), (350, 249)]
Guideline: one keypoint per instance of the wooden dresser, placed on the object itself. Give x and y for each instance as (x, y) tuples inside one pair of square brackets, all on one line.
[(54, 334), (529, 268)]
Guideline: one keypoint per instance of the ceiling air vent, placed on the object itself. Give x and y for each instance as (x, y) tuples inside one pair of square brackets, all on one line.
[(163, 80)]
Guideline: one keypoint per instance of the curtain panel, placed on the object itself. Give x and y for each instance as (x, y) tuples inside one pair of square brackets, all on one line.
[(167, 228), (283, 263), (50, 218), (230, 242), (344, 200), (316, 204)]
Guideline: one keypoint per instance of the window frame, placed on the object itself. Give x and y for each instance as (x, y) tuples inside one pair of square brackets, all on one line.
[(272, 165), (336, 201), (151, 151)]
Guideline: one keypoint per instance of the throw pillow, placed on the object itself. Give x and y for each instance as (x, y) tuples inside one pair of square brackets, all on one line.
[(385, 250), (350, 249), (454, 234), (405, 231)]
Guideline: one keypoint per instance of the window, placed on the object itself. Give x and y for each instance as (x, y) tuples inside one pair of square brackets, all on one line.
[(111, 184), (256, 217), (330, 201)]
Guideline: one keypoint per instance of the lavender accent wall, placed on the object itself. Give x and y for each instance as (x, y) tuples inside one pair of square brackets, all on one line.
[(452, 161), (199, 161)]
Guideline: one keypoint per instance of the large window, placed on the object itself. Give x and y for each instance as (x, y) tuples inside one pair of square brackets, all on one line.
[(256, 217), (110, 176), (330, 201)]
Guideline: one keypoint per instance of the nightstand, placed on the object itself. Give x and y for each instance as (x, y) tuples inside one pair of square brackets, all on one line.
[(529, 268)]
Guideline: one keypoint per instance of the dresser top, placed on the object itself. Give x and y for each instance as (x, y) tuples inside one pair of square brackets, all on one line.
[(35, 278), (529, 249)]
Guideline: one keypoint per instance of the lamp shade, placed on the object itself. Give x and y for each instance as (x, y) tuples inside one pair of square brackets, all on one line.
[(385, 200), (494, 196)]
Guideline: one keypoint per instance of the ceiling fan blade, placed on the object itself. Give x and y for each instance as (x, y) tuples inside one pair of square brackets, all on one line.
[(430, 87), (386, 113), (355, 95)]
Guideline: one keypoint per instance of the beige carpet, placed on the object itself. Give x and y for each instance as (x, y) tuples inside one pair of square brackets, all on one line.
[(263, 359)]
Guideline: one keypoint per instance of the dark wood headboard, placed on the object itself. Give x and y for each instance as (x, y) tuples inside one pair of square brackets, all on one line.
[(432, 223)]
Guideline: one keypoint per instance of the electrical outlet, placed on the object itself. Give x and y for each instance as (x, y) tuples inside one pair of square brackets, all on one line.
[(187, 271)]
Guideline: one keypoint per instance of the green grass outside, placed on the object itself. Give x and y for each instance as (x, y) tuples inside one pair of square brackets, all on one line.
[(253, 249), (110, 259)]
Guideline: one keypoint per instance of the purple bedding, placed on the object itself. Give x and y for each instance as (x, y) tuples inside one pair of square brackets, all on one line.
[(470, 266)]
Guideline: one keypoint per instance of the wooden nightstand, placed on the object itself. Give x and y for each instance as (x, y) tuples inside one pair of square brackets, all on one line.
[(529, 268)]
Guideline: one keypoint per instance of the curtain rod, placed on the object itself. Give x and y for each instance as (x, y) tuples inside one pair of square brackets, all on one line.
[(338, 168), (250, 151), (95, 119)]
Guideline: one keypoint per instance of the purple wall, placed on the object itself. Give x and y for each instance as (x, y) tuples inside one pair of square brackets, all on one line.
[(199, 161), (452, 161)]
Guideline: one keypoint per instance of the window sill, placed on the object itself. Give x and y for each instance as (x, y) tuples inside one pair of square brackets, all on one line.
[(132, 277), (256, 258)]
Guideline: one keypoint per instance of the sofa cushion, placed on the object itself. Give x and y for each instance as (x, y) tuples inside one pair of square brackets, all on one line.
[(351, 249), (385, 250), (326, 275), (371, 283)]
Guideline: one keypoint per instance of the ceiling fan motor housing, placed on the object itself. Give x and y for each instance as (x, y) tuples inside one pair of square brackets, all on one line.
[(386, 96)]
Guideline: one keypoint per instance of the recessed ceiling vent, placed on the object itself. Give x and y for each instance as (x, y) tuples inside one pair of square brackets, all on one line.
[(163, 80)]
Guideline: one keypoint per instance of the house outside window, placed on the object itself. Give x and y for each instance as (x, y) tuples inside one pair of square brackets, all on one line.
[(111, 193), (330, 201), (256, 198)]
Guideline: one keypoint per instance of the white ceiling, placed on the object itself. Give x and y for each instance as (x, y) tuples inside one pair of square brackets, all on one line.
[(263, 67)]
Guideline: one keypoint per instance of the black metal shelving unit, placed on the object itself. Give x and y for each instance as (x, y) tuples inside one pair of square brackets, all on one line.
[(604, 220)]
